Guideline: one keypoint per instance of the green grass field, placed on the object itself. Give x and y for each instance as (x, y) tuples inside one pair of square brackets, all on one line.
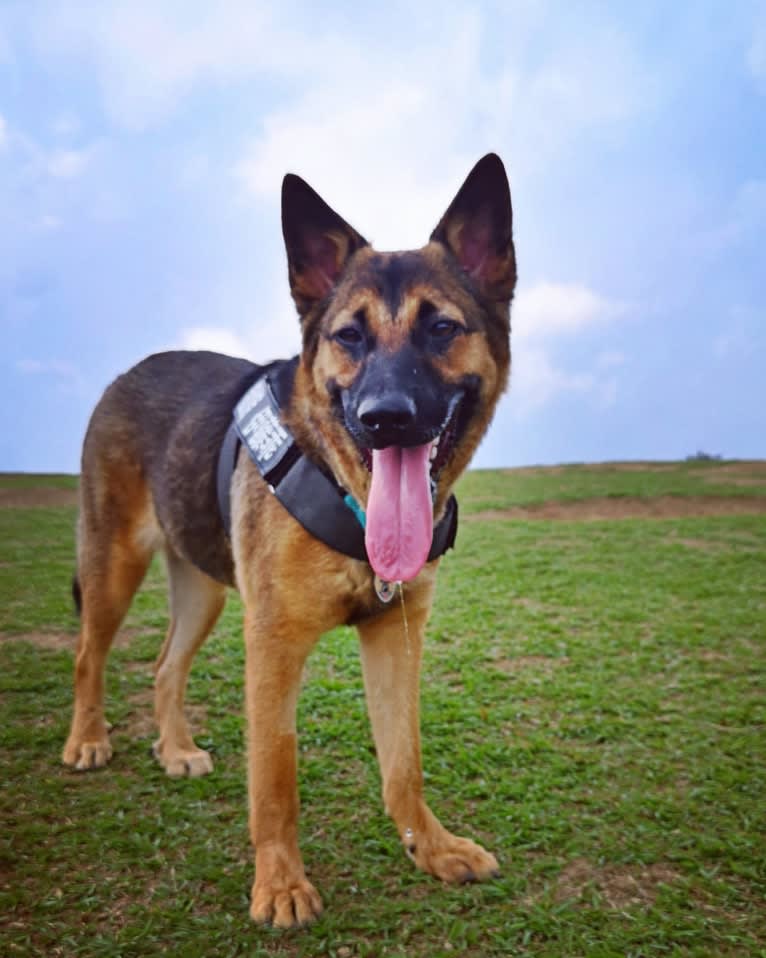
[(594, 712)]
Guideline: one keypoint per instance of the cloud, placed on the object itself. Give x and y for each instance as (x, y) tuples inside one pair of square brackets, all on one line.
[(536, 381), (149, 56), (215, 338), (67, 164), (385, 134), (47, 223), (65, 124), (547, 309), (745, 217), (544, 314), (740, 336), (387, 150), (354, 108), (610, 359), (266, 341), (67, 375)]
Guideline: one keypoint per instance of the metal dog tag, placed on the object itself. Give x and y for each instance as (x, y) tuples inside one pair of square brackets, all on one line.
[(385, 591)]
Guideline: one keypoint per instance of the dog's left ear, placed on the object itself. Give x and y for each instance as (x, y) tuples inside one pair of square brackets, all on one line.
[(319, 243), (478, 229)]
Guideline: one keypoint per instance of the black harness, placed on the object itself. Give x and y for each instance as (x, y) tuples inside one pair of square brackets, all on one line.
[(309, 494)]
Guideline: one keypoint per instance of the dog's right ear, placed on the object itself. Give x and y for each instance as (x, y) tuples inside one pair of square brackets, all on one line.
[(319, 243)]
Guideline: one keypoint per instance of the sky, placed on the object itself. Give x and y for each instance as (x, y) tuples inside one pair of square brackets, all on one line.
[(142, 147)]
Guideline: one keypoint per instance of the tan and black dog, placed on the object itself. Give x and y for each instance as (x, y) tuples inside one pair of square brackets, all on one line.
[(403, 360)]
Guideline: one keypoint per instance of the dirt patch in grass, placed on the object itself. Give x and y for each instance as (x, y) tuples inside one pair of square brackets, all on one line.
[(592, 467), (629, 507), (635, 466), (749, 468), (64, 641), (41, 498), (711, 655), (522, 663), (743, 481), (701, 545), (618, 886), (55, 641)]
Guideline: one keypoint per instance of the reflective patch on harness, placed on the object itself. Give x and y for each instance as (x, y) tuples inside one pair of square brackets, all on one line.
[(256, 416)]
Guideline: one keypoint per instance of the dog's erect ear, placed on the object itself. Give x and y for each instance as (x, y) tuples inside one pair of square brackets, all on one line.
[(319, 242), (478, 229)]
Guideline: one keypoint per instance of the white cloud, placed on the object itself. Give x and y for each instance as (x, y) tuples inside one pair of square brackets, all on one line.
[(745, 216), (47, 223), (547, 309), (67, 164), (385, 136), (535, 380), (387, 150), (610, 359), (739, 337), (364, 120), (65, 124), (150, 55), (545, 313), (264, 342), (215, 338), (65, 373)]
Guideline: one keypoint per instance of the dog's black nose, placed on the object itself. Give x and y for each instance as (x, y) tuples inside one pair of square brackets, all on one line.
[(386, 413)]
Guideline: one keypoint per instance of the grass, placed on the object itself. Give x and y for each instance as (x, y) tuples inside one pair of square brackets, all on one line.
[(593, 711), (483, 490)]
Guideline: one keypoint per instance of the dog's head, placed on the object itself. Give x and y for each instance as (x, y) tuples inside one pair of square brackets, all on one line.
[(404, 354)]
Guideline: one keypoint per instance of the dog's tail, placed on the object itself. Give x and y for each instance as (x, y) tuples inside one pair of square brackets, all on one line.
[(77, 594)]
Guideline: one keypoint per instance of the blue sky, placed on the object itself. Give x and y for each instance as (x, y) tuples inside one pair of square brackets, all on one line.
[(142, 147)]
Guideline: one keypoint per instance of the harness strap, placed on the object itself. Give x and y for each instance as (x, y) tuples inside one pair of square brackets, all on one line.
[(227, 460)]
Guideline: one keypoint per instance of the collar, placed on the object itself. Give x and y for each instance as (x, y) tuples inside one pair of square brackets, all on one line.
[(309, 494)]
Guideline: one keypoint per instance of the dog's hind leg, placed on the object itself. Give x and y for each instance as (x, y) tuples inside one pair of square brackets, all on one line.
[(113, 557), (196, 601)]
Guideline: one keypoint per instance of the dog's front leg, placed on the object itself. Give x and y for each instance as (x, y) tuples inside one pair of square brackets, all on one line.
[(391, 656), (276, 653)]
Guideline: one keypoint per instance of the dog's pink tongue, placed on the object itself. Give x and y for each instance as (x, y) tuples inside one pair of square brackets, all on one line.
[(400, 519)]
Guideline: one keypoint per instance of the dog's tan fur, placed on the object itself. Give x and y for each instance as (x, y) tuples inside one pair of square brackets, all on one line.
[(294, 587)]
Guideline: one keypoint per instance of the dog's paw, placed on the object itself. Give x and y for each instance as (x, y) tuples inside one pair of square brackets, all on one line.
[(285, 905), (452, 859), (183, 762), (86, 755)]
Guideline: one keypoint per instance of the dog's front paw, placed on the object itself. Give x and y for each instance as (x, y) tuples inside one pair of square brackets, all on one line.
[(452, 859), (85, 755), (285, 905), (181, 762), (282, 896)]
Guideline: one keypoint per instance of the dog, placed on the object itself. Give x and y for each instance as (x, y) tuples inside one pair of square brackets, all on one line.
[(404, 357)]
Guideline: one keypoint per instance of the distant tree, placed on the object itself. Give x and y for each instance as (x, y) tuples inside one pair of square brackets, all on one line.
[(700, 456)]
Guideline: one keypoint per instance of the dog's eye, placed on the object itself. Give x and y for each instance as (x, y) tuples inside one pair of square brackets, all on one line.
[(349, 336), (443, 329)]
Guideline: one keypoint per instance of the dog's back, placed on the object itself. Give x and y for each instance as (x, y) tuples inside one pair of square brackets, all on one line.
[(153, 442)]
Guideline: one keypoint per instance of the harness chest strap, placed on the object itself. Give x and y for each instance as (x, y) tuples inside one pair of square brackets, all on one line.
[(321, 506)]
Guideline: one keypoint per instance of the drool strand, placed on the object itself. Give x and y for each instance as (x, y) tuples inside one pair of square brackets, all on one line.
[(404, 617)]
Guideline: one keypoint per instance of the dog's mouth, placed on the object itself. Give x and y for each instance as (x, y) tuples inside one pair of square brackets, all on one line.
[(399, 520), (440, 447)]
